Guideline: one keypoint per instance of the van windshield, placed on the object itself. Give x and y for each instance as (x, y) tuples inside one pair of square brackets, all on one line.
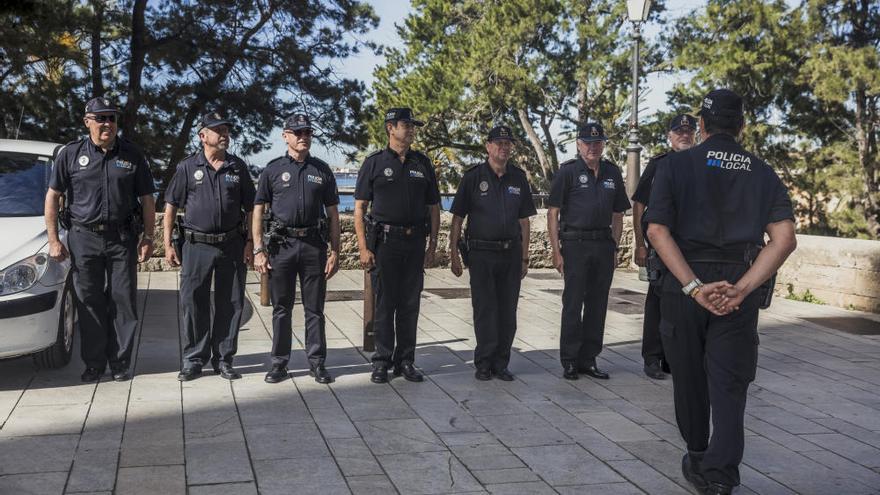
[(24, 179)]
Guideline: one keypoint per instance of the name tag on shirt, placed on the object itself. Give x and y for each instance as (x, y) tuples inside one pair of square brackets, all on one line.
[(315, 179), (609, 184), (417, 174), (124, 164), (512, 190), (232, 178)]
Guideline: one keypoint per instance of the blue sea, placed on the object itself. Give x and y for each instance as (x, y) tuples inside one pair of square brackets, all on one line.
[(346, 183)]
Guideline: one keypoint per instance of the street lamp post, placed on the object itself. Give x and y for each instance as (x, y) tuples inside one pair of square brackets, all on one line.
[(637, 12)]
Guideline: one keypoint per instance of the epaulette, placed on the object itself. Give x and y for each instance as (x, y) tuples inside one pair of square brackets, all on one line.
[(659, 156), (472, 167), (375, 153), (573, 160)]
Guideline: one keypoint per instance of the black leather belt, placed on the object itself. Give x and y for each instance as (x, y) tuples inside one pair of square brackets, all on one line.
[(300, 232), (194, 236), (401, 230), (735, 257), (585, 235), (480, 244), (100, 227)]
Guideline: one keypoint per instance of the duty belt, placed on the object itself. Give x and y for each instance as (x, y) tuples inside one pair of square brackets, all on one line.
[(479, 244), (401, 230), (300, 232), (194, 236), (101, 227), (733, 257), (584, 235)]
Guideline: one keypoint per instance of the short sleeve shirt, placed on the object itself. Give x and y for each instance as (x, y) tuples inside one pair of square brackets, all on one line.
[(717, 195), (493, 205), (399, 192), (297, 192), (212, 200), (643, 190), (586, 200), (101, 187)]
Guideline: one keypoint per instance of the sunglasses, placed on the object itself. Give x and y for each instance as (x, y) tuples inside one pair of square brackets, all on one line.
[(302, 132), (102, 118)]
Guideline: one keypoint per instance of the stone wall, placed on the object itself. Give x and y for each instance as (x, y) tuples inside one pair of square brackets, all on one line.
[(839, 272), (539, 249)]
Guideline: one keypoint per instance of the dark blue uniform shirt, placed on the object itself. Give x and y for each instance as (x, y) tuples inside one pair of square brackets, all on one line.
[(399, 192), (101, 188), (587, 201), (493, 205), (717, 195), (643, 190), (212, 200), (297, 191)]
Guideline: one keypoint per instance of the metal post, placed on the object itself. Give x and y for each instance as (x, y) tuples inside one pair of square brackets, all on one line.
[(633, 150)]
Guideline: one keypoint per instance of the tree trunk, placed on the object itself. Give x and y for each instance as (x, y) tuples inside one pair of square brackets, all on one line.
[(536, 143), (178, 149), (867, 162), (97, 27), (551, 145), (129, 124)]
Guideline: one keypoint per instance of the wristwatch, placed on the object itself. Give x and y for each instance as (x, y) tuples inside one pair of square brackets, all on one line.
[(261, 249), (691, 288)]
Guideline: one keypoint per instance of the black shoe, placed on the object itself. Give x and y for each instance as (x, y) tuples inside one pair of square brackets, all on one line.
[(570, 371), (227, 372), (483, 374), (504, 375), (277, 374), (215, 363), (91, 375), (408, 371), (188, 374), (380, 374), (121, 375), (690, 466), (320, 374), (653, 370), (593, 371), (718, 489)]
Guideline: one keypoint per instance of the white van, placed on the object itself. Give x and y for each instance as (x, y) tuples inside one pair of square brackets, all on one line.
[(37, 313)]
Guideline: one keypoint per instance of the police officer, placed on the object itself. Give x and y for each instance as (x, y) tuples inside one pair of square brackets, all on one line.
[(682, 129), (102, 177), (216, 192), (585, 221), (709, 209), (496, 199), (400, 187), (301, 192)]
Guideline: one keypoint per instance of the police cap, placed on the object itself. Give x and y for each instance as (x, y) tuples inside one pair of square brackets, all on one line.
[(297, 122), (213, 119), (722, 103), (501, 132), (402, 114), (591, 131), (101, 105), (683, 120)]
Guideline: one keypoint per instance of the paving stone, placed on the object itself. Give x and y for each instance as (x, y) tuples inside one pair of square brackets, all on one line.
[(307, 475), (602, 489), (646, 478), (616, 427), (428, 472), (63, 419), (353, 457), (19, 455), (334, 423), (399, 436), (93, 469), (522, 430), (492, 456), (566, 465), (217, 462), (498, 476), (147, 480), (33, 483), (224, 489), (845, 446), (285, 441), (531, 488), (377, 484)]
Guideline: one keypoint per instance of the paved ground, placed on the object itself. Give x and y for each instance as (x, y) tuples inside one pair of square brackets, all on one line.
[(813, 417)]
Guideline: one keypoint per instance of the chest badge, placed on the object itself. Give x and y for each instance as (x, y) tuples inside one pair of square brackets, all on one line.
[(315, 179), (388, 172), (417, 174), (512, 190), (83, 161), (583, 179), (285, 176), (198, 175), (484, 186), (232, 178), (609, 184)]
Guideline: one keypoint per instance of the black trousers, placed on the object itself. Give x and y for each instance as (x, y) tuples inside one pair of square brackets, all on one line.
[(713, 361), (588, 270), (652, 344), (205, 338), (306, 260), (495, 278), (105, 281), (397, 279)]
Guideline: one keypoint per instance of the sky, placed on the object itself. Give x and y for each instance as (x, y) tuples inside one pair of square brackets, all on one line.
[(393, 12)]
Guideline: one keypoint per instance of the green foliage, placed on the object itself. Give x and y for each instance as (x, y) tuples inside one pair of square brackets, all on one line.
[(805, 296)]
